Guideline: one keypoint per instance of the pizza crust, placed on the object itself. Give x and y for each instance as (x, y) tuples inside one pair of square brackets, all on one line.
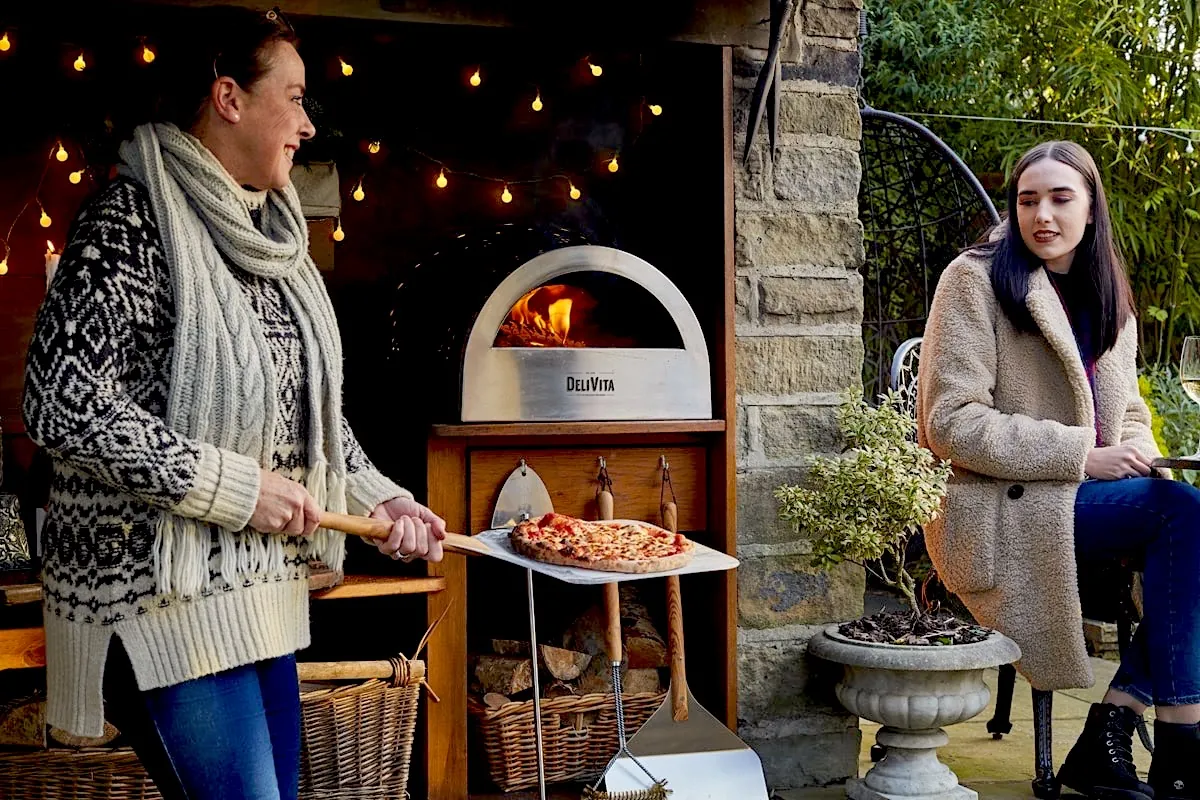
[(639, 566)]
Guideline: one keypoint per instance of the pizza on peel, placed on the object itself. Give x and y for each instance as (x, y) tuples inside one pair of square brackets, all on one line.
[(616, 545)]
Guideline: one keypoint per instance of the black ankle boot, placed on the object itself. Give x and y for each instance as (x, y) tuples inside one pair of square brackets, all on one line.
[(1175, 768), (1100, 765)]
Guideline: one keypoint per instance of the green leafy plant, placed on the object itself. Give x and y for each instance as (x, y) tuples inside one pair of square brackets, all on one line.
[(864, 505)]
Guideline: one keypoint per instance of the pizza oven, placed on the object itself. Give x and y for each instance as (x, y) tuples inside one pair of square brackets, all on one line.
[(585, 333)]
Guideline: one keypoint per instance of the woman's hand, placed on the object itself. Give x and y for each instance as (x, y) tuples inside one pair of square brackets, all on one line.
[(1116, 462), (284, 506), (417, 532)]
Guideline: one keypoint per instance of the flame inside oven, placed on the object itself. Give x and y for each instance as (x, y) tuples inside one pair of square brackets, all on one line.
[(543, 317)]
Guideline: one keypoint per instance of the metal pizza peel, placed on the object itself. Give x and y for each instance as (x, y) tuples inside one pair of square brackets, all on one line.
[(523, 496)]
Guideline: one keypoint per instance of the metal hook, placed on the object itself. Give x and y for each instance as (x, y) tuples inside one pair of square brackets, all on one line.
[(523, 468), (662, 460), (603, 465)]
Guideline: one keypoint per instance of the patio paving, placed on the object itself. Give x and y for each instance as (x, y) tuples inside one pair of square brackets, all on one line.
[(1002, 770)]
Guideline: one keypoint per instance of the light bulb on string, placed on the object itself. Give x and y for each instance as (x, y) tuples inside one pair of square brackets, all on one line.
[(347, 70), (1142, 137), (45, 220), (574, 191), (373, 147), (476, 78), (4, 265), (358, 193), (656, 109), (148, 55), (61, 153), (338, 233), (536, 105), (596, 69), (613, 166), (506, 195), (5, 46), (76, 176), (441, 181), (80, 65), (1190, 148)]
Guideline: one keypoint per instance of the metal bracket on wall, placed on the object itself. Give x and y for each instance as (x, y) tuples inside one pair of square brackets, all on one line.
[(770, 78)]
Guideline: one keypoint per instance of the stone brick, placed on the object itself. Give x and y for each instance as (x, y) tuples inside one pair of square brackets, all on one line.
[(824, 64), (791, 433), (742, 298), (758, 519), (743, 434), (751, 178), (817, 175), (785, 590), (793, 762), (778, 680), (811, 301), (787, 365), (837, 23), (822, 114), (783, 239)]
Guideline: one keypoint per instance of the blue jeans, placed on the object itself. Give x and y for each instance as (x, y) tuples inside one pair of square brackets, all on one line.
[(234, 735), (1156, 524)]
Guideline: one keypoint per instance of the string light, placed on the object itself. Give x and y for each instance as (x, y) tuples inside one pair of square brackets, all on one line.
[(574, 192), (596, 69), (347, 70), (5, 46), (359, 194), (4, 265), (80, 64), (506, 195), (1190, 148), (476, 78), (656, 109), (1142, 137), (147, 54), (45, 221), (61, 152), (338, 233), (441, 179), (537, 102), (613, 166), (76, 176), (373, 147)]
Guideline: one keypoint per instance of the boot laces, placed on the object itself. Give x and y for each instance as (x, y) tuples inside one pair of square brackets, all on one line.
[(1118, 741)]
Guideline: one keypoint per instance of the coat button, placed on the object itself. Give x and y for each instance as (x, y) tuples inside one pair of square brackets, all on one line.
[(1015, 491)]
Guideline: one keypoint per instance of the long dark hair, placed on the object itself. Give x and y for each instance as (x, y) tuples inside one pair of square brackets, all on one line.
[(1109, 296), (223, 42)]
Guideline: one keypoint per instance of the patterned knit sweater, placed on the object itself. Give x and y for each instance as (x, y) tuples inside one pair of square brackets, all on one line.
[(96, 389)]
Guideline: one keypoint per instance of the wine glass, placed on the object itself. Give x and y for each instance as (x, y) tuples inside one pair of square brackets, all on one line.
[(1189, 370)]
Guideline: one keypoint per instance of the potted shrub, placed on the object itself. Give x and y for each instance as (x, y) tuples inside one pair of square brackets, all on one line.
[(912, 672)]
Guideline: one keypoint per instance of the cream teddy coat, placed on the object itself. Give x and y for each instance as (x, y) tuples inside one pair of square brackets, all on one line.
[(1013, 413)]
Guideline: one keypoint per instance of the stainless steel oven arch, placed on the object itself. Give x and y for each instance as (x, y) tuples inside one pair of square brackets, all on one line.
[(540, 384)]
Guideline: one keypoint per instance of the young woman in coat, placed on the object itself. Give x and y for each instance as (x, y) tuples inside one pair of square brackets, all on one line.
[(1028, 385)]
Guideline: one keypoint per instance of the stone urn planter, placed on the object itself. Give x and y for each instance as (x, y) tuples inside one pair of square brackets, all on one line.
[(913, 691)]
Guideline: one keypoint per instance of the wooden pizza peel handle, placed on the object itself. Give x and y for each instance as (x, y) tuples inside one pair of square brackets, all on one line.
[(612, 592), (370, 528), (679, 691)]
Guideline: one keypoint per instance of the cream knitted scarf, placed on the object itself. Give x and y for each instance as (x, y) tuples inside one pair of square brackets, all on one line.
[(223, 387)]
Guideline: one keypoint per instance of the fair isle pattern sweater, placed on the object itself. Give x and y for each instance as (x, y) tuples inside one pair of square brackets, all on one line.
[(95, 396)]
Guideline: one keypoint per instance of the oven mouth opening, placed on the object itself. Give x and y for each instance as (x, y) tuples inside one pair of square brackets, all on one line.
[(588, 309)]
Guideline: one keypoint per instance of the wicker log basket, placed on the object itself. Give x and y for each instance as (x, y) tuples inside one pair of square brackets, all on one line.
[(356, 743), (579, 736)]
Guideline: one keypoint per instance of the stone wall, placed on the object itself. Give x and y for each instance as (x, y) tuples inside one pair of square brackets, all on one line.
[(799, 344)]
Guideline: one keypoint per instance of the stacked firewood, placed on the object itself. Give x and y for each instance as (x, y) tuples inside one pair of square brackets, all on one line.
[(577, 664)]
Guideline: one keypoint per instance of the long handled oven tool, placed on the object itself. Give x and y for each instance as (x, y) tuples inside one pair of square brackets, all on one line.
[(612, 645), (371, 528), (682, 742)]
